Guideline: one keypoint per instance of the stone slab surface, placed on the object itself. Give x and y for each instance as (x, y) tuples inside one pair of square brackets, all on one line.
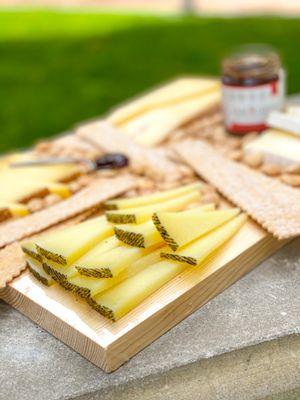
[(263, 306)]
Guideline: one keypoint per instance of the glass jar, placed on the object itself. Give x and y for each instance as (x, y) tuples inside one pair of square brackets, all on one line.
[(252, 86)]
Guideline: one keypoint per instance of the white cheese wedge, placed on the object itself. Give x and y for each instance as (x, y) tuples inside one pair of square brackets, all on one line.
[(277, 147), (289, 122)]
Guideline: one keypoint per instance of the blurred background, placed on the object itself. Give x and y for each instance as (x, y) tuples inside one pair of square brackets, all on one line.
[(62, 62)]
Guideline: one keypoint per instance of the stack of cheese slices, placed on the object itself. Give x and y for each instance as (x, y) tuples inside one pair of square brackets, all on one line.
[(151, 118), (117, 260)]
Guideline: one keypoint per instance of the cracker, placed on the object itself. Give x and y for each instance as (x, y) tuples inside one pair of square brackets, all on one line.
[(271, 203), (149, 162), (88, 198), (12, 263)]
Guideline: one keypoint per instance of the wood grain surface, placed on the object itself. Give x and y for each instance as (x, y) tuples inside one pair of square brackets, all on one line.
[(109, 344)]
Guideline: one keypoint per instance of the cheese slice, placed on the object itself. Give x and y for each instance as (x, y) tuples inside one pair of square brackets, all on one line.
[(67, 245), (171, 93), (113, 262), (195, 252), (88, 287), (288, 122), (64, 273), (28, 247), (21, 184), (155, 126), (36, 269), (142, 214), (146, 234), (60, 189), (60, 273), (179, 229), (158, 197), (122, 298)]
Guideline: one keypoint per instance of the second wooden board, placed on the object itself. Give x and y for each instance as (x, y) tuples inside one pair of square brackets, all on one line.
[(109, 344)]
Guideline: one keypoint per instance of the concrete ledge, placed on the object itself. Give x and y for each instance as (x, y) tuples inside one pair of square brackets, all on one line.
[(271, 368), (242, 344)]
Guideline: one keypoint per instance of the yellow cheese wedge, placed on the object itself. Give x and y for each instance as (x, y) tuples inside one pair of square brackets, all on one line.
[(120, 204), (60, 189), (195, 252), (145, 234), (29, 249), (92, 255), (171, 93), (87, 287), (63, 274), (19, 190), (36, 269), (67, 245), (119, 300), (60, 273), (18, 210), (142, 214), (179, 229), (113, 262), (21, 184), (9, 210), (141, 235), (49, 173)]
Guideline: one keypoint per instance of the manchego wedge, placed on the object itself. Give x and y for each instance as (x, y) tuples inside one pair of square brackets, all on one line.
[(157, 197), (60, 273), (29, 249), (67, 245), (87, 287), (195, 252), (179, 229), (113, 262), (145, 234), (122, 298), (36, 269), (142, 214), (63, 273)]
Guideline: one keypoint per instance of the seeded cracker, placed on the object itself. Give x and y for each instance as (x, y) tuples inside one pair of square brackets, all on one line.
[(149, 162), (12, 263), (272, 204), (90, 197)]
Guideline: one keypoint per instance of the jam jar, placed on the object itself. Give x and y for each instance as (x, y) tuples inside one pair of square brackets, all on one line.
[(252, 86)]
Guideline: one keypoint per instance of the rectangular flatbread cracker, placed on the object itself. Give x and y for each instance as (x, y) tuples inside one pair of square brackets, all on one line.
[(89, 197), (271, 203), (12, 263), (149, 162)]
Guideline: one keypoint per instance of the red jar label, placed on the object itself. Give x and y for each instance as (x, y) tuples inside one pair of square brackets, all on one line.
[(246, 107)]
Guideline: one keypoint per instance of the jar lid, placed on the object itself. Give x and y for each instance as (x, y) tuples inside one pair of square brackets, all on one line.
[(255, 62)]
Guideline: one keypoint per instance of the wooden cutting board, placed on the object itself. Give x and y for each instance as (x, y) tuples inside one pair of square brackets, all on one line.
[(109, 344)]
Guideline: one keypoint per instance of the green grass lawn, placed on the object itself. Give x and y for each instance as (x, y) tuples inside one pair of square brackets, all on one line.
[(58, 68)]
